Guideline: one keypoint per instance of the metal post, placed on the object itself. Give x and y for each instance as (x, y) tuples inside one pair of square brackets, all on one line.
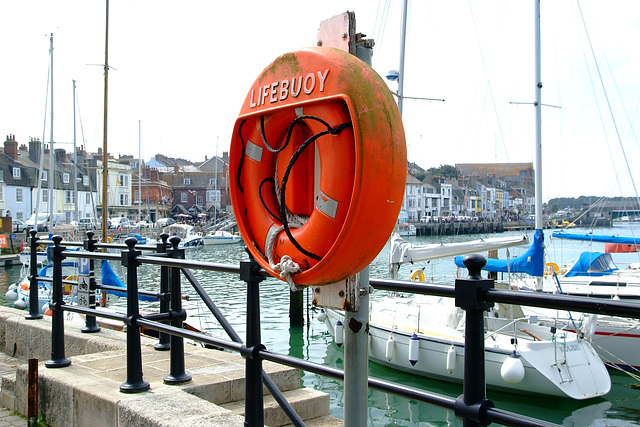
[(32, 405), (90, 324), (254, 411), (57, 321), (356, 357), (164, 342), (134, 382), (177, 373), (34, 309), (472, 406)]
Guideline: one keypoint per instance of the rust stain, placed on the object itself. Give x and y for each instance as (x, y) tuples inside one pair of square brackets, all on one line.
[(355, 325)]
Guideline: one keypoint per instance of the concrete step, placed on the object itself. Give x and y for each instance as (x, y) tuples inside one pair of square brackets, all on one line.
[(308, 403)]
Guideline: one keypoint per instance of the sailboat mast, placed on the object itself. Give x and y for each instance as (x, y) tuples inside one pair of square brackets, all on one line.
[(403, 39), (51, 158), (538, 131), (75, 157), (139, 171), (105, 210)]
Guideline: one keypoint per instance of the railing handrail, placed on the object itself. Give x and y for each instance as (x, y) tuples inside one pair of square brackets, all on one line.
[(479, 410)]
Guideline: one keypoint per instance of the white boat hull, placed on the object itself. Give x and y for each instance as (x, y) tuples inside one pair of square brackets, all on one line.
[(578, 374)]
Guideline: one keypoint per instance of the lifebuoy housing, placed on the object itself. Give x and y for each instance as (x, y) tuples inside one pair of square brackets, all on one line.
[(317, 166)]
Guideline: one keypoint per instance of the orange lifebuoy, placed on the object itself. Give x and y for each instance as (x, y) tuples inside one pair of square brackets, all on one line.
[(317, 165)]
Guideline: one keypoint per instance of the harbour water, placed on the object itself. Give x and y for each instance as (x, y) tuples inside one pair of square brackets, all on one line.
[(621, 407)]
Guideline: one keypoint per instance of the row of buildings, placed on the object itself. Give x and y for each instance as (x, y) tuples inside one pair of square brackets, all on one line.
[(32, 178), (482, 190)]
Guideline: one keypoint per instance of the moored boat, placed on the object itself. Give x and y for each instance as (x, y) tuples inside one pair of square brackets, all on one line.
[(221, 237)]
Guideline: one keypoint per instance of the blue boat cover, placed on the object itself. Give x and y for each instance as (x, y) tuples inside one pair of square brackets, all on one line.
[(588, 237), (110, 278), (593, 264), (530, 262)]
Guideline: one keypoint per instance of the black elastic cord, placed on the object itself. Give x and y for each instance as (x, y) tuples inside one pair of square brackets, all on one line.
[(285, 178), (273, 215), (241, 157)]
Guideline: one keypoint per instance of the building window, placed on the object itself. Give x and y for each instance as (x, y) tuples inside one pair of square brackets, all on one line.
[(212, 181), (187, 181), (18, 195), (85, 180), (65, 178), (1, 193), (87, 198), (43, 175), (1, 175), (124, 199), (184, 197), (123, 180), (16, 173), (199, 201), (69, 197), (19, 215), (137, 196), (45, 195)]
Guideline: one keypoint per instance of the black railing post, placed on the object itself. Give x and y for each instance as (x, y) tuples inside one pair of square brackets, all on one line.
[(57, 320), (90, 324), (34, 302), (470, 294), (177, 375), (254, 406), (134, 382), (164, 342)]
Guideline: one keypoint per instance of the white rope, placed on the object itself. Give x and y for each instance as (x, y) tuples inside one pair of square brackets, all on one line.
[(286, 266)]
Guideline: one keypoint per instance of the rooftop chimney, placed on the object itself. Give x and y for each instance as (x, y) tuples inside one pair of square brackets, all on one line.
[(11, 147)]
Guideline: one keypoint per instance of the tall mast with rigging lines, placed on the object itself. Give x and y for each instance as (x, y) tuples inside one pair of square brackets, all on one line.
[(105, 171)]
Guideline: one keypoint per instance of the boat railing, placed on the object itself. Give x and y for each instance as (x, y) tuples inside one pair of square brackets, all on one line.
[(473, 294)]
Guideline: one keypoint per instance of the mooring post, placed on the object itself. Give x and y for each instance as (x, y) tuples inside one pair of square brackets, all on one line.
[(90, 324), (254, 411), (164, 342), (134, 382), (470, 293), (34, 304), (57, 315), (177, 374), (32, 404)]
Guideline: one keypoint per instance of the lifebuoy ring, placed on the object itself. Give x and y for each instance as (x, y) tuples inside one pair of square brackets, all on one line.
[(109, 239), (304, 184), (551, 268), (417, 275)]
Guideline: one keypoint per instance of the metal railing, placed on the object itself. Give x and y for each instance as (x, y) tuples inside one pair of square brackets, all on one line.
[(473, 294)]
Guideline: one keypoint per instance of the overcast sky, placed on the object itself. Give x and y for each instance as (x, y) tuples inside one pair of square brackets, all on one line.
[(184, 68)]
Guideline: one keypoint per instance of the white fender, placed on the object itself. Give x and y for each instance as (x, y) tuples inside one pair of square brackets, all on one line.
[(20, 304), (339, 332), (451, 359), (390, 348), (11, 295), (322, 316), (414, 349), (512, 370)]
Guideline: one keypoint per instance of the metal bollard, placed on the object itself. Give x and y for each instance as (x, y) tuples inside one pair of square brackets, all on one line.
[(254, 410), (34, 309), (134, 382), (90, 324), (472, 406), (58, 360), (164, 342), (177, 373)]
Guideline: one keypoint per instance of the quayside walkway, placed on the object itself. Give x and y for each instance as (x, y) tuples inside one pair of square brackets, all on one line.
[(86, 393)]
